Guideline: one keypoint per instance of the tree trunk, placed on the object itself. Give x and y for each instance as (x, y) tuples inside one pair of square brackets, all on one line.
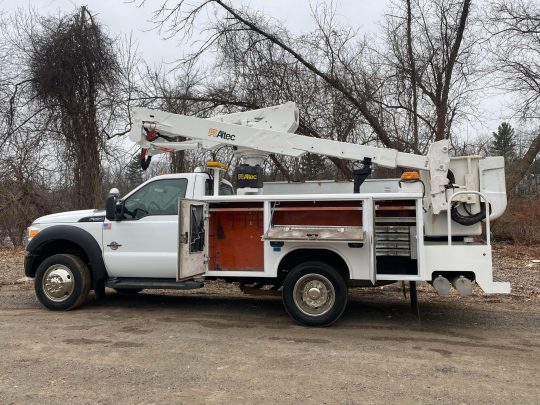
[(521, 166), (178, 164), (88, 175)]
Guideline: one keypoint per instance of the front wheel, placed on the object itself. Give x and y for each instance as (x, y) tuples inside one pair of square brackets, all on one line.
[(314, 294), (62, 282)]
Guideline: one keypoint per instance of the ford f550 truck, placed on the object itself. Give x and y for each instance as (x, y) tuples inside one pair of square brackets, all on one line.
[(311, 241)]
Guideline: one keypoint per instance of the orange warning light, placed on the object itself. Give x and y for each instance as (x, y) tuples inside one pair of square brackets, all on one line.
[(217, 165), (410, 176)]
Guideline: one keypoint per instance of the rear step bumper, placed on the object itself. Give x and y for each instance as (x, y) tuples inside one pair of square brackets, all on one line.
[(153, 283)]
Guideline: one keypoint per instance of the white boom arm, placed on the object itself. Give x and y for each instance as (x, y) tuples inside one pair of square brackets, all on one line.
[(257, 133), (267, 130)]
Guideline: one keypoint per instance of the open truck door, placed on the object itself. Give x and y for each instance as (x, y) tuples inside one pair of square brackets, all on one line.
[(192, 238)]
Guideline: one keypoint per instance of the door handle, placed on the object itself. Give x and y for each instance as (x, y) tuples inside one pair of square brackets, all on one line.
[(114, 245)]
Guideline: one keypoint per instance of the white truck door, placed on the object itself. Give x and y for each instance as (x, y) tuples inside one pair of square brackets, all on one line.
[(192, 238), (145, 242)]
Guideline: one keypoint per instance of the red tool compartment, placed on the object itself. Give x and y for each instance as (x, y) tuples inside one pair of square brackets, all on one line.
[(236, 228), (235, 236)]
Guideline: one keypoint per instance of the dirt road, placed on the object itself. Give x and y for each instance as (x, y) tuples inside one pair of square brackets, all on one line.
[(212, 348)]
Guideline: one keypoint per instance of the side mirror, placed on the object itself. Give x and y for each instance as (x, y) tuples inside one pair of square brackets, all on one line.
[(111, 208)]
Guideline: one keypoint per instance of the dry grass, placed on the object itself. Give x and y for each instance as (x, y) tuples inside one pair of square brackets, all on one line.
[(521, 221), (11, 264)]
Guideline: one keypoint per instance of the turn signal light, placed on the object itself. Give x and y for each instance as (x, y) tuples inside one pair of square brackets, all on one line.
[(217, 165), (410, 176), (33, 232)]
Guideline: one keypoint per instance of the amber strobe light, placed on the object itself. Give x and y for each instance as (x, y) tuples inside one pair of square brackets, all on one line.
[(410, 176), (217, 165)]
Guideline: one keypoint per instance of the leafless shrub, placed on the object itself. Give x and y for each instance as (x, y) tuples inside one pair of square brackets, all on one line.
[(521, 222), (71, 62)]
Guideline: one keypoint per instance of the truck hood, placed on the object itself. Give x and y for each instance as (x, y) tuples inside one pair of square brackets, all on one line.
[(70, 216)]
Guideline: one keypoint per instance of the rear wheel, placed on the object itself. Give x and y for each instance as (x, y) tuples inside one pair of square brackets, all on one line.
[(314, 294), (62, 282)]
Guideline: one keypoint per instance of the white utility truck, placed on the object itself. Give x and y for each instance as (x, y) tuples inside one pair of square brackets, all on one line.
[(311, 241)]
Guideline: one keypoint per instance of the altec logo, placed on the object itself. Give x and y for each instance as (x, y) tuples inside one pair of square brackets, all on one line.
[(214, 133)]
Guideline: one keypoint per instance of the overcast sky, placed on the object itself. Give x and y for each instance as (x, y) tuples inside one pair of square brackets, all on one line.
[(123, 17)]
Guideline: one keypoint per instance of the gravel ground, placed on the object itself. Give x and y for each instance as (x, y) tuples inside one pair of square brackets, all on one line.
[(218, 346)]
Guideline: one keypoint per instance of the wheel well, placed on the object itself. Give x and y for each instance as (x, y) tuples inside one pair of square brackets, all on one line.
[(55, 247), (294, 258)]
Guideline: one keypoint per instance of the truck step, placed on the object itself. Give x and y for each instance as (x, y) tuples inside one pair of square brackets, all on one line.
[(154, 283)]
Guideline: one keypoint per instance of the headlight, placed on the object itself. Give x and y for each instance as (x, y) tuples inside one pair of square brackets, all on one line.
[(31, 231)]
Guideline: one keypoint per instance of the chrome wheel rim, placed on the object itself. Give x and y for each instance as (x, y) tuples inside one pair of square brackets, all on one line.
[(314, 294), (58, 283)]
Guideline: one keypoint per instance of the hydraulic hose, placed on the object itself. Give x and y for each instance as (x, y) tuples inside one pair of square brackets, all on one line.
[(467, 220)]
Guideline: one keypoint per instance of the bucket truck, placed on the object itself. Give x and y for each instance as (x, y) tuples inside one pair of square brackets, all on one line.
[(307, 242)]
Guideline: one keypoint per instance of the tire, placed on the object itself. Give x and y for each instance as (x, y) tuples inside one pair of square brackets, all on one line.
[(62, 282), (128, 291), (314, 294)]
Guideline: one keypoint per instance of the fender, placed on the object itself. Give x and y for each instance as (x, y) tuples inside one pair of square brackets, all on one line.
[(80, 237)]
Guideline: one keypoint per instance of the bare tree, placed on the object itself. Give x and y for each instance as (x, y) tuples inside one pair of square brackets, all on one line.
[(177, 94), (344, 74), (72, 61), (25, 181), (515, 26), (430, 68), (67, 64)]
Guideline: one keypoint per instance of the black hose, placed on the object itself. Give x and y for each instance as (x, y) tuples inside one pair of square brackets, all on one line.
[(467, 220), (470, 218)]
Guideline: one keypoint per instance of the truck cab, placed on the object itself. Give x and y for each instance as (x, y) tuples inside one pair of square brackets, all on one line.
[(142, 244)]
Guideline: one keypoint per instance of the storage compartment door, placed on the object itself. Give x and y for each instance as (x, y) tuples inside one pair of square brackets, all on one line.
[(192, 238)]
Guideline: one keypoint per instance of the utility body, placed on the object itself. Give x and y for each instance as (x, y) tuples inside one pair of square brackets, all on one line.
[(310, 241)]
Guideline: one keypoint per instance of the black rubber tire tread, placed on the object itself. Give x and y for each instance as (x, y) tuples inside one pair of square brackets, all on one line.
[(326, 270), (82, 281), (128, 291)]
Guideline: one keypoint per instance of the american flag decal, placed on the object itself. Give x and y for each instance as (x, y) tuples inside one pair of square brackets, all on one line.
[(107, 226)]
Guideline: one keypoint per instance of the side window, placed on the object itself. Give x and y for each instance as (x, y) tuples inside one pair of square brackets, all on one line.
[(156, 198), (224, 188), (208, 187)]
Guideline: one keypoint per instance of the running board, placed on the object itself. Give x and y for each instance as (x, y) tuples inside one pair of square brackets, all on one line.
[(154, 283)]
